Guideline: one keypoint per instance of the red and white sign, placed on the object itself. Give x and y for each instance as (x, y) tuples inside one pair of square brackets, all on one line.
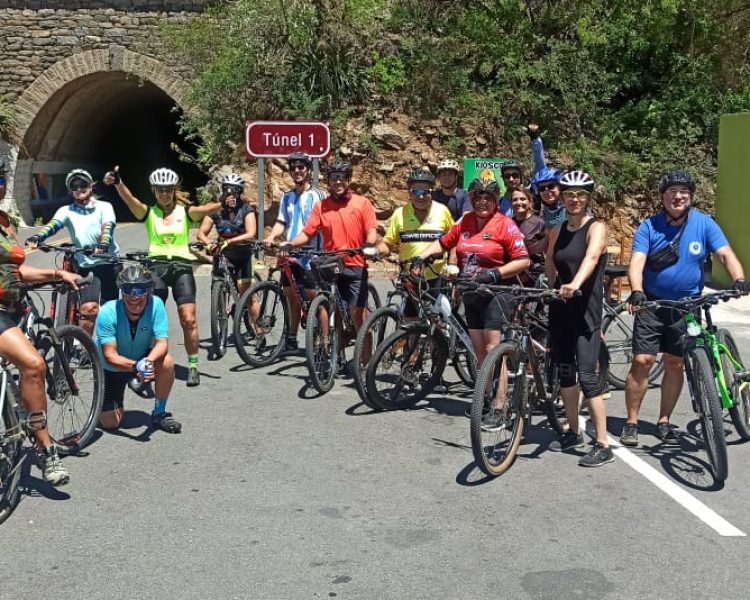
[(269, 139)]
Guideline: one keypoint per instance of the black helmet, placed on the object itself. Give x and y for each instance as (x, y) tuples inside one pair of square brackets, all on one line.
[(421, 175), (134, 274), (299, 157), (511, 165), (340, 166), (484, 186), (677, 178)]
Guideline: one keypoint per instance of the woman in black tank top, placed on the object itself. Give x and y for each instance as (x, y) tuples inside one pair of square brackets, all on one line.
[(575, 262)]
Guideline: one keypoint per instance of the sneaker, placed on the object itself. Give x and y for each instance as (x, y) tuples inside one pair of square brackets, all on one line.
[(629, 435), (567, 441), (291, 344), (666, 433), (53, 471), (495, 421), (598, 456), (441, 387), (166, 422), (194, 377)]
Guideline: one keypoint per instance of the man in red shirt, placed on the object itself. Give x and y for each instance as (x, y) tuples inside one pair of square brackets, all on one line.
[(346, 220)]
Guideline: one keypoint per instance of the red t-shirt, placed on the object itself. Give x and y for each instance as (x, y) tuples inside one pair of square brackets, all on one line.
[(494, 245), (343, 224)]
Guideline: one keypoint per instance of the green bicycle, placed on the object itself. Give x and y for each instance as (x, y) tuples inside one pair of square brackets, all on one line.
[(717, 379)]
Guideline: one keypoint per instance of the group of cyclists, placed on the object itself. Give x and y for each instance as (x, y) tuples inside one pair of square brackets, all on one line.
[(542, 226)]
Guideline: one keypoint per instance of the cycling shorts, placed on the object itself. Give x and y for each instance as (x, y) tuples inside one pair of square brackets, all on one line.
[(115, 383), (104, 286), (352, 284), (179, 277), (8, 320), (659, 330), (575, 349), (241, 260), (488, 311)]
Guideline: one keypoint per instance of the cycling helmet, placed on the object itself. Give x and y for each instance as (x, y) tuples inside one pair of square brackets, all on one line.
[(340, 166), (78, 174), (545, 174), (299, 157), (577, 179), (677, 178), (511, 165), (421, 175), (163, 177), (134, 274), (234, 180), (448, 164), (487, 186)]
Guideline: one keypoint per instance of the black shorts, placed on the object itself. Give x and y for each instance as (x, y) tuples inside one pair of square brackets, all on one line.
[(104, 286), (115, 383), (488, 311), (241, 259), (179, 277), (576, 349), (8, 320), (411, 306), (302, 277), (660, 330), (352, 284)]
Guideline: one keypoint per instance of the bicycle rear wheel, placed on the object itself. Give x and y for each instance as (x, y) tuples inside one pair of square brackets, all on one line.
[(221, 308), (710, 412), (740, 412), (380, 324), (617, 328), (259, 342), (11, 439), (497, 410), (73, 405), (321, 344), (406, 367)]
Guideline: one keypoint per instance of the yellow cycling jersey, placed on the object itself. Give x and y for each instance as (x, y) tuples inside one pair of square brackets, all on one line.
[(412, 236)]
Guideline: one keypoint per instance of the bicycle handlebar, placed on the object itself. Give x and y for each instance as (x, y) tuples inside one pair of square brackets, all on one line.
[(61, 284), (691, 303)]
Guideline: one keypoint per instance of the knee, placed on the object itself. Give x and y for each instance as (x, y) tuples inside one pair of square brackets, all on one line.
[(591, 384), (110, 419), (642, 364), (33, 367), (188, 321), (166, 364), (673, 364), (566, 374), (89, 311)]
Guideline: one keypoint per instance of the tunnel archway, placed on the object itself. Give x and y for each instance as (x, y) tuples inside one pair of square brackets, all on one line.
[(98, 118)]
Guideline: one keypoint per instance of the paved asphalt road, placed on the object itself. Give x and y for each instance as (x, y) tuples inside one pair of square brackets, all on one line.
[(270, 492)]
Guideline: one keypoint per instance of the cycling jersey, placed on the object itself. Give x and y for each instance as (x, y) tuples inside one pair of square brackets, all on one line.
[(489, 247), (113, 325), (534, 236), (458, 202), (412, 236), (12, 257), (170, 240), (343, 224), (294, 211), (87, 226), (230, 222), (684, 278)]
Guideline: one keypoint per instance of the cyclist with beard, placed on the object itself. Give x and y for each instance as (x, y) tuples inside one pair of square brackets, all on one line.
[(89, 222), (294, 211)]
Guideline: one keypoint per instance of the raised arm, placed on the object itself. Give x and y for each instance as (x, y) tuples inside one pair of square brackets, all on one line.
[(136, 207), (196, 212)]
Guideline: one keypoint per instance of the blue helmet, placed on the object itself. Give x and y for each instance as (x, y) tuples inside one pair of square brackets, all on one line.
[(545, 174)]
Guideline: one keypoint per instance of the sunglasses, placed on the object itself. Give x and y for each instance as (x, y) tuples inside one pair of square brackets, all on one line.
[(483, 199), (298, 167), (232, 189), (163, 189), (511, 175), (78, 186), (546, 187), (420, 193), (135, 290), (577, 195), (338, 177)]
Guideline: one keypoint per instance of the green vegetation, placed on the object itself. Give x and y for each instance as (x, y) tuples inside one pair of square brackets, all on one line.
[(7, 117), (625, 89)]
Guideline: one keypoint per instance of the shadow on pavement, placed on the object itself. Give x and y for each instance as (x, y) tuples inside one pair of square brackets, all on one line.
[(134, 419), (36, 487)]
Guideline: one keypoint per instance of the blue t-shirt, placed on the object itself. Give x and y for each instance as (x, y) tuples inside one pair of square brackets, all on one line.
[(458, 203), (113, 325), (684, 278), (84, 226)]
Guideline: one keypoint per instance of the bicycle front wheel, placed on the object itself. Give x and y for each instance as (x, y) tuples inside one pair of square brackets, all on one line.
[(75, 387), (380, 324), (261, 324), (617, 328), (740, 412), (11, 439), (497, 410), (406, 367), (221, 308), (710, 412), (321, 344)]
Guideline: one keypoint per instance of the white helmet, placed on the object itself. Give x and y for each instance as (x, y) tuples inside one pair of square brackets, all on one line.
[(448, 164), (577, 179), (233, 179), (163, 177), (78, 174)]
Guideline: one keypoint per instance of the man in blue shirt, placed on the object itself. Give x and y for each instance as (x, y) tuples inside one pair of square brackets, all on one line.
[(696, 235), (132, 335)]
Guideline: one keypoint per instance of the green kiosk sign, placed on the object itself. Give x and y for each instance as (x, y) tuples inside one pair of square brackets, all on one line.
[(484, 168)]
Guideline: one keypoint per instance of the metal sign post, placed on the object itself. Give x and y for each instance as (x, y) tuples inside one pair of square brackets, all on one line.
[(261, 200), (316, 172)]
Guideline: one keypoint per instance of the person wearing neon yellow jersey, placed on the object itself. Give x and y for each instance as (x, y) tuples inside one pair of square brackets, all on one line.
[(168, 227), (413, 227)]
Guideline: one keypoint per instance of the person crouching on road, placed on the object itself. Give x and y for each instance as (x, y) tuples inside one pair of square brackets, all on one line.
[(132, 334)]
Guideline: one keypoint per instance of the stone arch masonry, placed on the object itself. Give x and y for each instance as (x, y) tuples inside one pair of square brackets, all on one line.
[(46, 44)]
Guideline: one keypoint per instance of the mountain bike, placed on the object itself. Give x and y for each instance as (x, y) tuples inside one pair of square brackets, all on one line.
[(330, 328), (717, 379)]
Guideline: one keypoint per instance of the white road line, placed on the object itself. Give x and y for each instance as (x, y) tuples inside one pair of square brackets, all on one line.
[(671, 489)]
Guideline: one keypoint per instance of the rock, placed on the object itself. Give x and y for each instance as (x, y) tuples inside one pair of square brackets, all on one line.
[(480, 140), (429, 132), (345, 151), (386, 168), (388, 136)]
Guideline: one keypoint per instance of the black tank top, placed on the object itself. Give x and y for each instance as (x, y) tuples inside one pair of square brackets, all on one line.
[(569, 252)]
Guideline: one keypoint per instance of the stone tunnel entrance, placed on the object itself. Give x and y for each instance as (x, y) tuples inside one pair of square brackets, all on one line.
[(96, 121)]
